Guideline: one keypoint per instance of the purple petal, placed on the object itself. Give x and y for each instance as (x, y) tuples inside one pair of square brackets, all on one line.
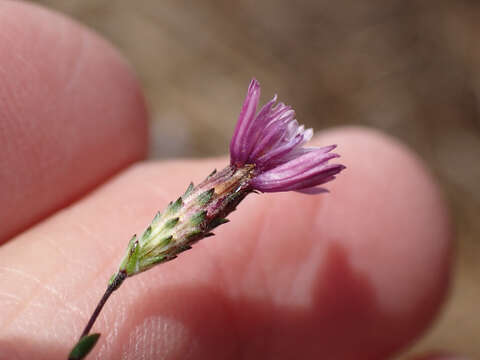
[(257, 126), (278, 154), (271, 135), (299, 151), (297, 183), (240, 142), (291, 175), (303, 165)]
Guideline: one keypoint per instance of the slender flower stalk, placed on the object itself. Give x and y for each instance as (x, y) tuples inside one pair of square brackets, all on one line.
[(266, 155)]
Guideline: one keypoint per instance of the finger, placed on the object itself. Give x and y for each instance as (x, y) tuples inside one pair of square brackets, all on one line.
[(71, 114), (357, 273)]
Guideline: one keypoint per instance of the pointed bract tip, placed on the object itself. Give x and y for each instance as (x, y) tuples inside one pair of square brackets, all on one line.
[(189, 189), (205, 197)]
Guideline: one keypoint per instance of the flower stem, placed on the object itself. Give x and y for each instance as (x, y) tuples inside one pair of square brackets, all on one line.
[(117, 280), (86, 342)]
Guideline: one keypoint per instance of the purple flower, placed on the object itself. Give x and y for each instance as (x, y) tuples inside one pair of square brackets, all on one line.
[(272, 141)]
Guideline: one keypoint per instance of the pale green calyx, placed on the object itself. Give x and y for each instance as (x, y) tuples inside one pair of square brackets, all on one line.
[(188, 219)]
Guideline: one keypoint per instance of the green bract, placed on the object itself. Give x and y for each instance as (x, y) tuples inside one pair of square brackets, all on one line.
[(188, 219)]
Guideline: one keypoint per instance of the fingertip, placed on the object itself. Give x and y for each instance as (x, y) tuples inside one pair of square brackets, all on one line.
[(72, 113)]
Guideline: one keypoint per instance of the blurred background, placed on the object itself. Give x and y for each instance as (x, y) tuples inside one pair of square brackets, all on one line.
[(408, 67)]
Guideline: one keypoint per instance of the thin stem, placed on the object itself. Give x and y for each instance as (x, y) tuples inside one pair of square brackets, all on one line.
[(114, 285)]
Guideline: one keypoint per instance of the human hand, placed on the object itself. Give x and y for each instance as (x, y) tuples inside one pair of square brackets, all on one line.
[(355, 274)]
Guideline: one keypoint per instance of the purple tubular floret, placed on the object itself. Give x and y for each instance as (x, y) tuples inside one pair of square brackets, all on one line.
[(238, 145), (273, 134), (256, 127)]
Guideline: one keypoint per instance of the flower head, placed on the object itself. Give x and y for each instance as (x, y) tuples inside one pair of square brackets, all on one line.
[(266, 154), (272, 141)]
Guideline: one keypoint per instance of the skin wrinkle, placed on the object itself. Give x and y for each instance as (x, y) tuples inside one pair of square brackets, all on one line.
[(126, 308), (10, 44), (152, 350), (14, 111), (14, 99), (73, 223), (151, 340), (75, 71), (60, 317), (97, 275), (84, 229), (70, 224), (138, 168), (120, 310), (46, 287), (49, 106), (22, 306), (138, 337), (65, 255), (164, 197), (9, 299)]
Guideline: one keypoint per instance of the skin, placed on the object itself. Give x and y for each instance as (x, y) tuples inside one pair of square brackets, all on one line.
[(358, 273)]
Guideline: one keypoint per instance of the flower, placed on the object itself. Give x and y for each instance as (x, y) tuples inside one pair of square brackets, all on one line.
[(266, 155), (272, 141)]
